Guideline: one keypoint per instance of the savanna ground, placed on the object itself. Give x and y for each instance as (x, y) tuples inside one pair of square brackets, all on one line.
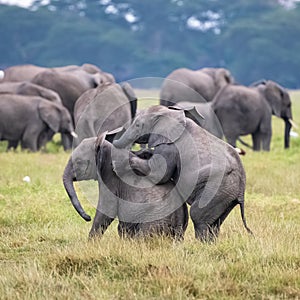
[(45, 253)]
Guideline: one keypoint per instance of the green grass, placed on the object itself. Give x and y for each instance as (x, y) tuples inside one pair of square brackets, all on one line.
[(45, 253)]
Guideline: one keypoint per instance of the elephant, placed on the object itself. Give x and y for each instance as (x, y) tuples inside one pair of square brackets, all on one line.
[(245, 110), (208, 172), (29, 89), (32, 120), (106, 107), (194, 86), (29, 71), (138, 205), (209, 121), (69, 86), (84, 164)]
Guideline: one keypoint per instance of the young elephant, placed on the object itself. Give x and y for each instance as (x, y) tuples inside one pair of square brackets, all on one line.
[(208, 172), (139, 204), (82, 166)]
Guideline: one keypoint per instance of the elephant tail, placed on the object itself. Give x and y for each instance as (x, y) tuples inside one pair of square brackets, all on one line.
[(244, 143), (242, 208)]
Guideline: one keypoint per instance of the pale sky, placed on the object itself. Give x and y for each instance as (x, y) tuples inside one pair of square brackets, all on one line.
[(26, 3), (23, 3)]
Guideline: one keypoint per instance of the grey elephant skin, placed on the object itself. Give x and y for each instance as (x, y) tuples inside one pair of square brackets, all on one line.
[(83, 165), (208, 121), (208, 172), (32, 120), (138, 208), (29, 89), (104, 108), (193, 86), (245, 110), (29, 71), (69, 85)]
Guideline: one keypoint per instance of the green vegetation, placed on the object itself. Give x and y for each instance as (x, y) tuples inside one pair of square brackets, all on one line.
[(45, 253), (254, 39)]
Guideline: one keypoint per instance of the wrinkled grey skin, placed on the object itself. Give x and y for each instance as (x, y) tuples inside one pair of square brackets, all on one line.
[(248, 110), (82, 166), (123, 200), (29, 89), (209, 121), (32, 120), (212, 164), (193, 86), (104, 108)]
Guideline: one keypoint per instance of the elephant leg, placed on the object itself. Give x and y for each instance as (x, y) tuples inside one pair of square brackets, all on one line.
[(231, 140), (256, 140), (266, 141), (208, 220), (100, 224), (30, 140), (12, 145), (66, 140)]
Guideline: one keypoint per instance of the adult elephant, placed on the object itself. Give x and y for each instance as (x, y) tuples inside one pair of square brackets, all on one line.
[(104, 108), (245, 110), (208, 172), (69, 86), (29, 89), (196, 86), (29, 71), (135, 207), (32, 120)]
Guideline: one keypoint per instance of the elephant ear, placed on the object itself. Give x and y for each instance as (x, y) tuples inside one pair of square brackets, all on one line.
[(169, 126), (222, 77), (274, 95), (190, 112), (50, 114)]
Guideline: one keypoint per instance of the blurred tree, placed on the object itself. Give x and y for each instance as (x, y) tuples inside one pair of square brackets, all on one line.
[(254, 39)]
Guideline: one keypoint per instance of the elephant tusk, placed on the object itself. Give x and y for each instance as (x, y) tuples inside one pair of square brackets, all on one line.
[(293, 123), (74, 134), (1, 74)]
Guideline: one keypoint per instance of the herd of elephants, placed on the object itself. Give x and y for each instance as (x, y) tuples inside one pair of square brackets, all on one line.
[(182, 159)]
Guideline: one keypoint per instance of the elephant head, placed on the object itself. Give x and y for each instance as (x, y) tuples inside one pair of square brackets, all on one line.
[(280, 103), (157, 125), (81, 166), (57, 117)]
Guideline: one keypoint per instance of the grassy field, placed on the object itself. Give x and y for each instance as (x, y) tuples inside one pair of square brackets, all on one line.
[(45, 254)]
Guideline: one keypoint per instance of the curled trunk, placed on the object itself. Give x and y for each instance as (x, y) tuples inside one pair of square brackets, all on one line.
[(68, 180)]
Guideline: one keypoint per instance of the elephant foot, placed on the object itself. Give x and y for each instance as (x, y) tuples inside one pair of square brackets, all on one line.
[(206, 233)]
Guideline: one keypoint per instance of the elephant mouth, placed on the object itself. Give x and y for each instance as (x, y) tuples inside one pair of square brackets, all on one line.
[(142, 139)]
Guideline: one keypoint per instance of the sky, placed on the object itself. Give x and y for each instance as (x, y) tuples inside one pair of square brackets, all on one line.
[(22, 3), (26, 3)]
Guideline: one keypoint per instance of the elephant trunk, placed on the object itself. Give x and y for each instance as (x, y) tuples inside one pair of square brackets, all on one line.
[(68, 181), (287, 130), (126, 139)]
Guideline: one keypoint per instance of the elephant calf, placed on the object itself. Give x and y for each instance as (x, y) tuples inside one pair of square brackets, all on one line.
[(141, 210)]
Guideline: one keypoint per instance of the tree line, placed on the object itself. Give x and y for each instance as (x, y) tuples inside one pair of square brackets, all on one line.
[(253, 39)]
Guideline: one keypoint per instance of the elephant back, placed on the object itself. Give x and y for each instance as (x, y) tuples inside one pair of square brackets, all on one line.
[(102, 109)]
